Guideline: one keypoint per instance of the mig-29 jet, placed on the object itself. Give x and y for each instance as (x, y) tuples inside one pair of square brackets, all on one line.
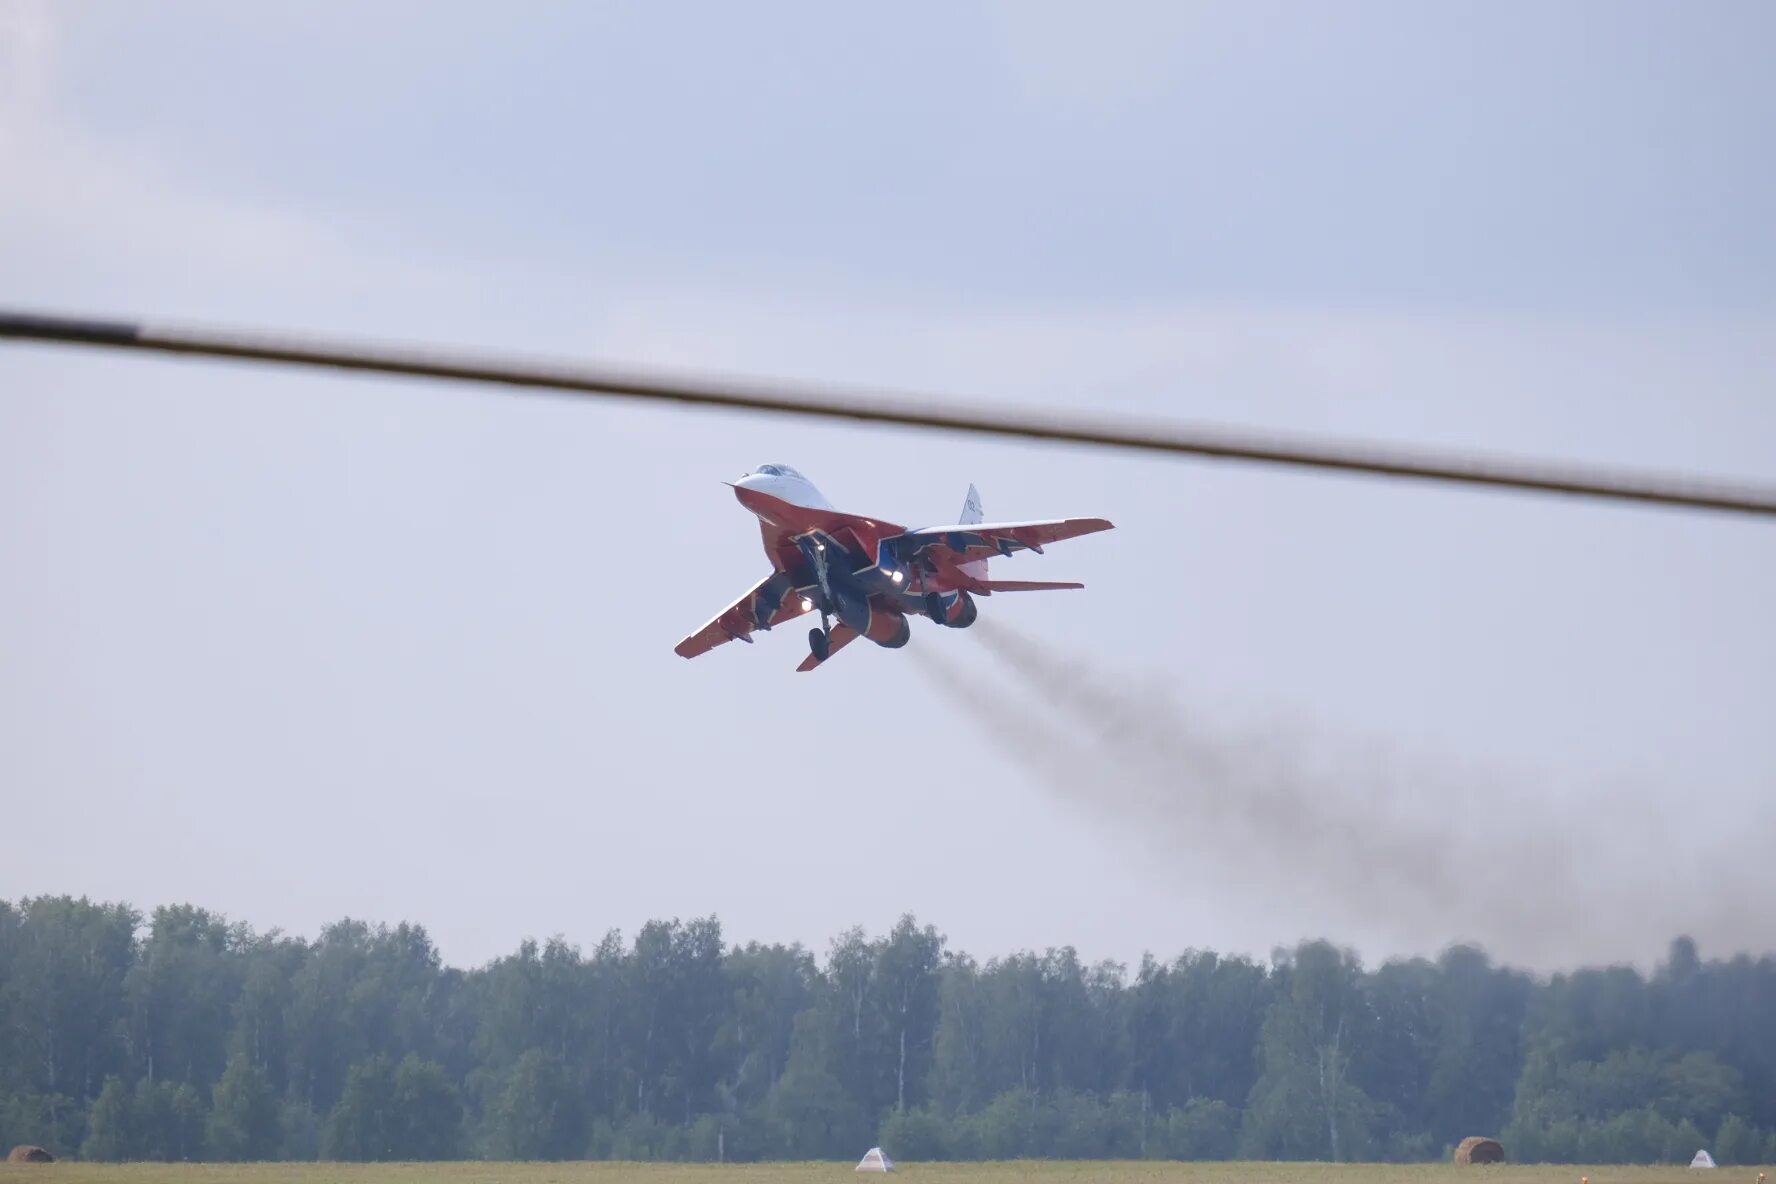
[(869, 574)]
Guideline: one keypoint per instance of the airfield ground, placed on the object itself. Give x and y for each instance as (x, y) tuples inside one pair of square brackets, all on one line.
[(1039, 1172)]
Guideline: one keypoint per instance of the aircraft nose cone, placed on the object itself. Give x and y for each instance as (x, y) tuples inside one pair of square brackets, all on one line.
[(757, 483), (746, 489)]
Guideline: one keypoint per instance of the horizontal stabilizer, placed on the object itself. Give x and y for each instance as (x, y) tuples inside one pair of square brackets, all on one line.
[(1027, 534), (988, 587)]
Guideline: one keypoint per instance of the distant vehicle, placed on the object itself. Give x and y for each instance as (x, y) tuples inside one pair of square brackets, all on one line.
[(868, 574)]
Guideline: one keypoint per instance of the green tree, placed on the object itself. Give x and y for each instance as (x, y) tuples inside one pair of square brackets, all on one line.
[(538, 1114), (1737, 1142), (770, 986), (64, 992), (181, 991), (1203, 1128), (362, 1125), (1306, 1105), (299, 1129), (1477, 1012), (168, 1118), (407, 1112), (427, 1112), (906, 972), (811, 1114), (187, 1132), (244, 1115), (1699, 1088), (270, 967), (1011, 1126), (848, 1020), (117, 1042), (676, 993), (55, 1123), (1194, 1027), (958, 1072), (915, 1135), (365, 991), (110, 1129), (1684, 1140)]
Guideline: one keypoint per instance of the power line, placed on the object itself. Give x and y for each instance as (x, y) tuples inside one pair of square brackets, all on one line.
[(753, 395)]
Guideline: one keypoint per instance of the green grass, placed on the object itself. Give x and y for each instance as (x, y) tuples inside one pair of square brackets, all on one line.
[(1042, 1172)]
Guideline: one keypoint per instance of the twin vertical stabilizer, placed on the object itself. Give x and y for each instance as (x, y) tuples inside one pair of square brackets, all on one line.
[(972, 515), (971, 509)]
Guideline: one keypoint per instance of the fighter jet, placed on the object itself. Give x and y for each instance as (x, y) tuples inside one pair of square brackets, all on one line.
[(866, 576)]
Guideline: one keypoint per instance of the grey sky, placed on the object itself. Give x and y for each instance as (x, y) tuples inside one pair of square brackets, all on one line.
[(295, 646)]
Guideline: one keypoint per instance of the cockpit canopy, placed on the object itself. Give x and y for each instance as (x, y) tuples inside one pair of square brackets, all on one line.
[(780, 471)]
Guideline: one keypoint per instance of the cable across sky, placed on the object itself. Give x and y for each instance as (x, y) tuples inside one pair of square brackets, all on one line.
[(758, 395)]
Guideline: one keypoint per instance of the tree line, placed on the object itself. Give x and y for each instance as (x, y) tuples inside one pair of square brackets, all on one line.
[(183, 1036)]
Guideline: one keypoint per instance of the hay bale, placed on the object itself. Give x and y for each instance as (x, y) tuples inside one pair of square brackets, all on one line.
[(1475, 1149), (25, 1153)]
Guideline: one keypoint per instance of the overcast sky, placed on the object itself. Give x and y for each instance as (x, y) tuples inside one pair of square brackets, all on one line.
[(296, 646)]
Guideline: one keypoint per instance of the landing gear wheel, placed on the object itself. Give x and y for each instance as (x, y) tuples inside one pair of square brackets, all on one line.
[(934, 608), (819, 643)]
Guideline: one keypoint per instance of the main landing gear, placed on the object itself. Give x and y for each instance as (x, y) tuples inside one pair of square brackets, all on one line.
[(820, 640), (934, 608)]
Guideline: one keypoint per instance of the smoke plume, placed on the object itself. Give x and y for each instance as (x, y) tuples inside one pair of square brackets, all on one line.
[(1419, 856)]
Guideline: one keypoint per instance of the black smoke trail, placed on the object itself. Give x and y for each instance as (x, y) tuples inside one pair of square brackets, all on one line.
[(1422, 855)]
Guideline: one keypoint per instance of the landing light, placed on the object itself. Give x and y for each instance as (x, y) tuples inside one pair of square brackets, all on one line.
[(896, 576), (807, 605)]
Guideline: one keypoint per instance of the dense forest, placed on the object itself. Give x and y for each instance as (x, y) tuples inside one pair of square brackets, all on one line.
[(182, 1036)]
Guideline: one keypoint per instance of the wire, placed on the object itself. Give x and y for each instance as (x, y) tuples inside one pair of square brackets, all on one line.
[(752, 395)]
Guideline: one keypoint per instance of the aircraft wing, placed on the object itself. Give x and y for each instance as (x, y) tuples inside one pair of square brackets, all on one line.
[(773, 601), (967, 543)]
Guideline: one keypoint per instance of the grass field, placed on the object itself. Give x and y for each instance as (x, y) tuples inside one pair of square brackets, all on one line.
[(1042, 1172)]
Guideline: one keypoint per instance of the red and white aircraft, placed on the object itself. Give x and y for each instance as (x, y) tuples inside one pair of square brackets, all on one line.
[(869, 574)]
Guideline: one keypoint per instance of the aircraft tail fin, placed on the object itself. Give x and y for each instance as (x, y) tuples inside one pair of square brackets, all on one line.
[(972, 515), (971, 509)]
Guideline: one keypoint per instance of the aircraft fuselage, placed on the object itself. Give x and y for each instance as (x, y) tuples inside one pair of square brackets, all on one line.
[(846, 571)]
